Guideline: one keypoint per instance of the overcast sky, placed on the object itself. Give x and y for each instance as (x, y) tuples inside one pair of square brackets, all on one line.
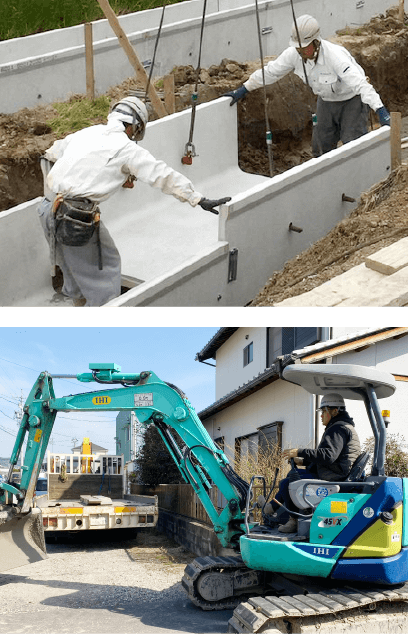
[(25, 352)]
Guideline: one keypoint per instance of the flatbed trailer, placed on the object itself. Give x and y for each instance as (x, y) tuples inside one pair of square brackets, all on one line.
[(87, 492)]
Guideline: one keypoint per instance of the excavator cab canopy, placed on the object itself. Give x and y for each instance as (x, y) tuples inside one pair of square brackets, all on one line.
[(353, 382)]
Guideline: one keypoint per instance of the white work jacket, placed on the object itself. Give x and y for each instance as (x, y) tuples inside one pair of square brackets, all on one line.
[(335, 76), (96, 161)]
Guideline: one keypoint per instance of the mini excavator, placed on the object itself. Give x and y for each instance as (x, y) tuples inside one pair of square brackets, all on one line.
[(351, 548)]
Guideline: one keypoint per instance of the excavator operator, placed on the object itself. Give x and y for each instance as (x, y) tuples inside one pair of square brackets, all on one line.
[(89, 166), (338, 449)]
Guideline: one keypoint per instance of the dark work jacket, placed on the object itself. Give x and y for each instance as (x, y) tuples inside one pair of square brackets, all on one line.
[(339, 447)]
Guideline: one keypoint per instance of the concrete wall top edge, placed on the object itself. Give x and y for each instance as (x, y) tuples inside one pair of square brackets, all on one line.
[(154, 287), (183, 113), (133, 36), (30, 203), (132, 24), (301, 172)]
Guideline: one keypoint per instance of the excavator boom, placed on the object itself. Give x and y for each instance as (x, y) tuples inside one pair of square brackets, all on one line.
[(201, 463)]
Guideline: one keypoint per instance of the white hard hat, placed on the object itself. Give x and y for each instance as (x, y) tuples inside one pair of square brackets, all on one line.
[(132, 110), (332, 400), (309, 30)]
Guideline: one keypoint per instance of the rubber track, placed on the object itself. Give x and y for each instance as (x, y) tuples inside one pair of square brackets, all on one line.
[(297, 600), (203, 565)]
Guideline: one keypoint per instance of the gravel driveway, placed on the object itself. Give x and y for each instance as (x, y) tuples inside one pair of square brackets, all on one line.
[(96, 585)]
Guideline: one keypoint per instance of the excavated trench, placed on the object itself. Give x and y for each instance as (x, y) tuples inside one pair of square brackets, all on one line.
[(381, 47)]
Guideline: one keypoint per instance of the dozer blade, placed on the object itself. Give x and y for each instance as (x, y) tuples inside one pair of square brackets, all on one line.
[(21, 539)]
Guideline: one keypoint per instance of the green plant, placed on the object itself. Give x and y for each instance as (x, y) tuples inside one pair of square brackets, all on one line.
[(396, 455), (154, 463), (79, 113)]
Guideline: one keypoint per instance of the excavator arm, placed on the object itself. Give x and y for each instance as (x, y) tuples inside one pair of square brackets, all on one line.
[(202, 463)]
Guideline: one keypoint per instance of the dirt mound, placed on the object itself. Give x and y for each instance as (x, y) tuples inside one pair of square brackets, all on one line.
[(381, 48), (379, 220)]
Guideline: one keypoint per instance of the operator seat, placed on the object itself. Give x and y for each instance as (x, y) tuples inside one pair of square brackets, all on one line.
[(357, 470), (307, 494)]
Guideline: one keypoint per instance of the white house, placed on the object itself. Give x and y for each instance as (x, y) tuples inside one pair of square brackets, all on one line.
[(253, 403)]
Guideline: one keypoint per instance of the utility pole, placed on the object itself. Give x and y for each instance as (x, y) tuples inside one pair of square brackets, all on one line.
[(18, 417)]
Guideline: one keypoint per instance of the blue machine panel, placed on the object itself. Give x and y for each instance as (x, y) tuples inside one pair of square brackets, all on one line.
[(389, 571), (405, 513)]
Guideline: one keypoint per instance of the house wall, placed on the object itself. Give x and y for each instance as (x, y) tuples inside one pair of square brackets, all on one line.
[(230, 365), (282, 401), (390, 356), (279, 401)]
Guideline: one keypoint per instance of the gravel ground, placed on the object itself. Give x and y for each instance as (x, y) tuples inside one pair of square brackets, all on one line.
[(96, 572)]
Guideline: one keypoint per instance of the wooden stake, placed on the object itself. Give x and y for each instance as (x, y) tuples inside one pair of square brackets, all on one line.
[(395, 140), (90, 80), (401, 10), (133, 58), (169, 96)]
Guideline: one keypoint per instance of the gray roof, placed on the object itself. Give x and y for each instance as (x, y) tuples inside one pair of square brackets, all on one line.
[(324, 349)]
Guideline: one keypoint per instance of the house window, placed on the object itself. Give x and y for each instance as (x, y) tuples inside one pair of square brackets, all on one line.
[(286, 340), (270, 436), (246, 449), (220, 442), (248, 353), (274, 345)]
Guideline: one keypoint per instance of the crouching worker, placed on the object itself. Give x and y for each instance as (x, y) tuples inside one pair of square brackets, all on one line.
[(338, 449), (87, 167)]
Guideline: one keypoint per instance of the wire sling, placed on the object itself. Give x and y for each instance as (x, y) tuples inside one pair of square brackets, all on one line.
[(190, 152), (268, 128), (314, 116), (154, 54)]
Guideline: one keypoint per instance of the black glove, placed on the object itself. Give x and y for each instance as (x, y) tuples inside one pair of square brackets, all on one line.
[(237, 94), (383, 116), (209, 205)]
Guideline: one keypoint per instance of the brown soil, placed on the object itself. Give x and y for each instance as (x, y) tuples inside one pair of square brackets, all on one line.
[(381, 47), (379, 220)]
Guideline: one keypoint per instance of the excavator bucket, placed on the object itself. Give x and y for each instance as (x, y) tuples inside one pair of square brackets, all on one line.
[(21, 539)]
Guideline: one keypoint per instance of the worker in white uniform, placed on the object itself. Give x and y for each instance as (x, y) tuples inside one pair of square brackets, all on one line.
[(87, 168), (344, 95)]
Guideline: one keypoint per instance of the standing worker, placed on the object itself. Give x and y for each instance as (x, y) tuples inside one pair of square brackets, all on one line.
[(343, 93), (88, 167)]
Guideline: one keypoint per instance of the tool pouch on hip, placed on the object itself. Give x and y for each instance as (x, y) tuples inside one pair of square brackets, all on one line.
[(76, 221)]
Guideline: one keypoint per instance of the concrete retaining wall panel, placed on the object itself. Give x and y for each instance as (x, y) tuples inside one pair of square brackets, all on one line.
[(24, 257), (256, 223), (155, 233), (309, 196), (230, 32)]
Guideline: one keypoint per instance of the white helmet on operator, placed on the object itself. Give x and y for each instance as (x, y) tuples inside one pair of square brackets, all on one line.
[(309, 30), (132, 110), (332, 400)]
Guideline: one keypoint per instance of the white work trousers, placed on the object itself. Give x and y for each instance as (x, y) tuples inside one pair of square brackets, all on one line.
[(79, 265)]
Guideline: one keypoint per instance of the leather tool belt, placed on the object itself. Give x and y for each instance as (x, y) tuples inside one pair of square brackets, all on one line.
[(75, 222)]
